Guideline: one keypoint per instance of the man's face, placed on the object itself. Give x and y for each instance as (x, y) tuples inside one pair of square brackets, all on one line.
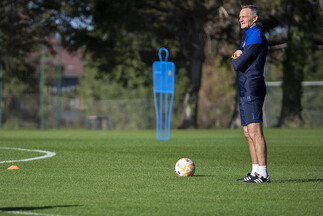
[(246, 20)]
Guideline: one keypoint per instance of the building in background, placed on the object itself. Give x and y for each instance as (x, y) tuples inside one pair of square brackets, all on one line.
[(72, 67)]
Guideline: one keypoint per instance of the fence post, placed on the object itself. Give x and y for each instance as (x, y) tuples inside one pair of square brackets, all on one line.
[(146, 109), (0, 93), (59, 81), (41, 84), (267, 113), (1, 75)]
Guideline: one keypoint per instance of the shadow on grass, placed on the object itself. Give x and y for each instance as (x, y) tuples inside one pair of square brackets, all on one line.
[(31, 208), (298, 180), (201, 176)]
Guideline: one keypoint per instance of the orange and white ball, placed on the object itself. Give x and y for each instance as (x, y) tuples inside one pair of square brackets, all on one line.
[(185, 167)]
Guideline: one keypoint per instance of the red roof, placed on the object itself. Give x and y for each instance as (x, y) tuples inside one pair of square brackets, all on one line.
[(72, 63)]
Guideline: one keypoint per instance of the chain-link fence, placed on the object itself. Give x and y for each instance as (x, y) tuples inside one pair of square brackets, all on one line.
[(127, 114), (312, 104)]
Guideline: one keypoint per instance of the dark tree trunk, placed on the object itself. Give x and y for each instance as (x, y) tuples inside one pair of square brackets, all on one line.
[(190, 105), (235, 121), (293, 64), (291, 112)]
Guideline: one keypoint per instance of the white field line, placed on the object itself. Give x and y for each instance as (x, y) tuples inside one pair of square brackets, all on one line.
[(29, 213), (48, 154)]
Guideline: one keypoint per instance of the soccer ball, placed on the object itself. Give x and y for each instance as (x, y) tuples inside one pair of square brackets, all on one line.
[(185, 167)]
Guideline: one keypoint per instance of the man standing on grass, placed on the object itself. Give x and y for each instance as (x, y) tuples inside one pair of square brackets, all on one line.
[(249, 61)]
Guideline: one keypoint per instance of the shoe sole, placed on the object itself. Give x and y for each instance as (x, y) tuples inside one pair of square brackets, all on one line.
[(256, 182)]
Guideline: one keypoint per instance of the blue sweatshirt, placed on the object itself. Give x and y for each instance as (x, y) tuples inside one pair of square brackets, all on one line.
[(250, 65)]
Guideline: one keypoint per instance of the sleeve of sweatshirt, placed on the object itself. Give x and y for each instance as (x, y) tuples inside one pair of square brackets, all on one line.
[(248, 52)]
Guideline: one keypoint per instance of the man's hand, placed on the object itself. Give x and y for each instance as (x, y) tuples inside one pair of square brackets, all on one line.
[(239, 53), (236, 54)]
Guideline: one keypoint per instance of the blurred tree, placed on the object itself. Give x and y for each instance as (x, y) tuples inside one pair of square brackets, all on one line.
[(24, 25), (123, 37), (127, 35), (304, 32)]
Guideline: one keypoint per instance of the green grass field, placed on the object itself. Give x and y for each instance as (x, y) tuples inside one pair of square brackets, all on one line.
[(131, 173)]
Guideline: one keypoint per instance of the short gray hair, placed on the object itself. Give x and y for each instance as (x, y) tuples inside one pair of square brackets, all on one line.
[(253, 8)]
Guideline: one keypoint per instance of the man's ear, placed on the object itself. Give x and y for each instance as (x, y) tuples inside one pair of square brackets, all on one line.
[(255, 19)]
